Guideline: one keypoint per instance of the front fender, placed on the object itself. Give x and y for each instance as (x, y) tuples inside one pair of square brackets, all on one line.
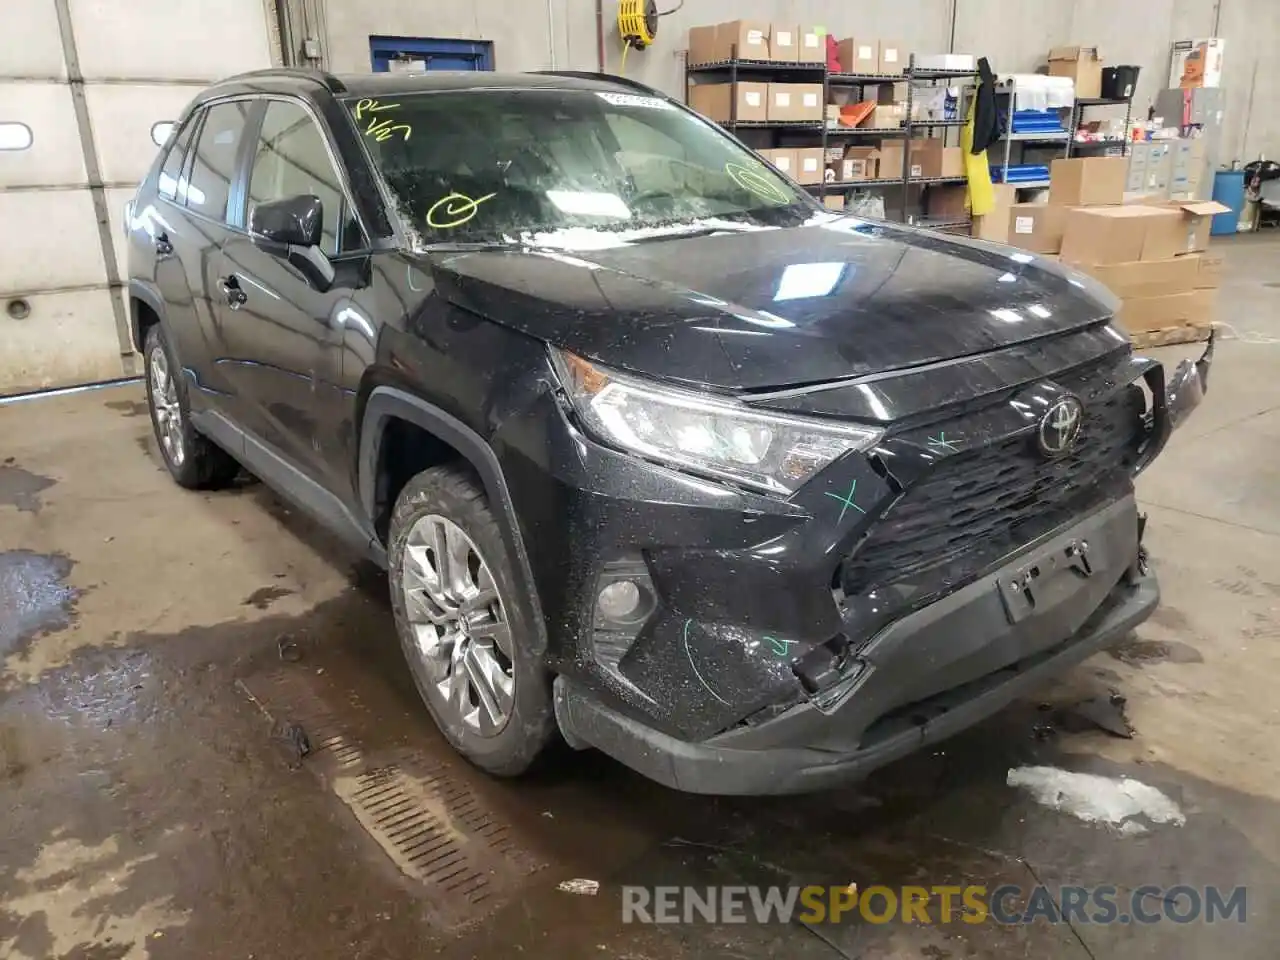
[(387, 402)]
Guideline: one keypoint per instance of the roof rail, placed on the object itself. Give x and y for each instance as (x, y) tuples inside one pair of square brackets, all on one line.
[(326, 80), (607, 77)]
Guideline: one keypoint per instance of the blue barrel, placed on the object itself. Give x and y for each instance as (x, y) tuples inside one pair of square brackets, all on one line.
[(1228, 188)]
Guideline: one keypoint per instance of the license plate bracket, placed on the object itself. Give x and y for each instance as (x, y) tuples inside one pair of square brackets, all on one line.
[(1044, 579)]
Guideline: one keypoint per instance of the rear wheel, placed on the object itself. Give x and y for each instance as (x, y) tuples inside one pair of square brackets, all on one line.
[(465, 638), (193, 461)]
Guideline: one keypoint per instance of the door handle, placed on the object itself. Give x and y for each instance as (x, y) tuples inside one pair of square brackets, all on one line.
[(236, 298), (163, 247)]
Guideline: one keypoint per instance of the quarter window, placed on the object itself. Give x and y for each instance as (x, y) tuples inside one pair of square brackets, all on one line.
[(215, 161), (290, 159), (172, 184)]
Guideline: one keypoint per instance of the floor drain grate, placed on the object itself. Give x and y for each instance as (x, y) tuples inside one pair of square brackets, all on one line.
[(426, 818)]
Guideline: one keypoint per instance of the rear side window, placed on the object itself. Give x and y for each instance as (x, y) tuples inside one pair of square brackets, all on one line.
[(171, 184), (214, 167)]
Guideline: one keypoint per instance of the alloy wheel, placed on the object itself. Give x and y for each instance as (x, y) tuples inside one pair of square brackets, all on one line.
[(164, 401), (459, 624)]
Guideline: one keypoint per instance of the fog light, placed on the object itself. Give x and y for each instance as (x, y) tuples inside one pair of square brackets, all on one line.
[(620, 600)]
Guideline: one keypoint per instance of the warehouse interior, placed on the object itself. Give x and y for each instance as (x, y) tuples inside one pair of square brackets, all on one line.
[(210, 743)]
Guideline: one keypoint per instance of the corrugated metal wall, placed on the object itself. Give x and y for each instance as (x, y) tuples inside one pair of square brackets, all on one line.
[(90, 78)]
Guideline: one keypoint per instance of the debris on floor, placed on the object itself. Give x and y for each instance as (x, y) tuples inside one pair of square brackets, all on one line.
[(295, 740), (1104, 712), (588, 888), (1116, 801), (288, 648)]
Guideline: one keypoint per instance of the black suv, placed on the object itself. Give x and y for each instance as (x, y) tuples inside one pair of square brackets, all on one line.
[(658, 452)]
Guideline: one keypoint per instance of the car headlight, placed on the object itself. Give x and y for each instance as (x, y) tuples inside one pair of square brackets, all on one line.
[(703, 434)]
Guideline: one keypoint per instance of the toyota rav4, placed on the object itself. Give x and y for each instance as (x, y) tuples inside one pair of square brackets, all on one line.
[(659, 454)]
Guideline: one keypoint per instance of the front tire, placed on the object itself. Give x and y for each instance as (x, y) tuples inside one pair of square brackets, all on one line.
[(194, 461), (464, 636)]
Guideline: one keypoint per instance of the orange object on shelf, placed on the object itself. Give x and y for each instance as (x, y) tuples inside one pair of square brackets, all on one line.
[(852, 114)]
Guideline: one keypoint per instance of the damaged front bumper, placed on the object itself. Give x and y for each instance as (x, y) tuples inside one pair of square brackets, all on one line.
[(734, 684), (927, 676), (1174, 398)]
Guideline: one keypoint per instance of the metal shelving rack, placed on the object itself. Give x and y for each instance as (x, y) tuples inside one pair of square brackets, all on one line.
[(912, 76), (1032, 139), (776, 70), (1077, 114)]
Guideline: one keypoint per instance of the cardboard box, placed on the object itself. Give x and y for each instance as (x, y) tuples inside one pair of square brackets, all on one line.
[(1145, 278), (748, 38), (784, 160), (926, 159), (889, 157), (1197, 218), (861, 163), (795, 101), (952, 162), (946, 61), (886, 115), (1082, 181), (858, 56), (833, 201), (1081, 64), (1119, 234), (784, 42), (1209, 272), (809, 165), (1037, 226), (715, 101), (892, 93), (811, 103), (891, 57), (813, 45), (994, 225), (1196, 63), (947, 200), (1171, 310)]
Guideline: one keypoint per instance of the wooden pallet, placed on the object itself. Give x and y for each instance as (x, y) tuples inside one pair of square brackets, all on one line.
[(1165, 336)]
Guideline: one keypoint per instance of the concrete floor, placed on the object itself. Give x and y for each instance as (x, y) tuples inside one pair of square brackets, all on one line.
[(152, 809)]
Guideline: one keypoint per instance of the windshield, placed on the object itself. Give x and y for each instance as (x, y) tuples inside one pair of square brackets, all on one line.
[(545, 166)]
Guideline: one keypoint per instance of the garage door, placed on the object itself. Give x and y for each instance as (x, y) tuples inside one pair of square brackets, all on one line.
[(82, 84)]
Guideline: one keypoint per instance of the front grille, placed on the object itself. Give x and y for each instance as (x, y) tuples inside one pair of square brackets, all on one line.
[(978, 505)]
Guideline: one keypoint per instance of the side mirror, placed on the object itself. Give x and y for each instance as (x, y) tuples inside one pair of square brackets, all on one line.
[(293, 221), (292, 229)]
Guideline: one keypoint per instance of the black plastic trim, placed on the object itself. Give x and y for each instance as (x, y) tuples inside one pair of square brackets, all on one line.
[(387, 402), (148, 293), (281, 475)]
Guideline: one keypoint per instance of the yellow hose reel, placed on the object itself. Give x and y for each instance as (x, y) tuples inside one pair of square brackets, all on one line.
[(638, 22)]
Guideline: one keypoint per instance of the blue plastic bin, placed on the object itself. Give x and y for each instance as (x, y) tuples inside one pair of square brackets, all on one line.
[(1228, 189)]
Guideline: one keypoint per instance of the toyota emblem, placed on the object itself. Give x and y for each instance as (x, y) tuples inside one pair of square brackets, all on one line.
[(1060, 426)]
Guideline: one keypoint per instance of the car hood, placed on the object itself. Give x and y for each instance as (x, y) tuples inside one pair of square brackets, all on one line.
[(754, 308)]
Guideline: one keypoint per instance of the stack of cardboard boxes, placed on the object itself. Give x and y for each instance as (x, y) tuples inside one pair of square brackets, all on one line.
[(801, 164), (1153, 256), (1151, 251), (757, 101), (756, 40), (860, 55)]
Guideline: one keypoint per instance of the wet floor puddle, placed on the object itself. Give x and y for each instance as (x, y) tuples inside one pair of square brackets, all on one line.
[(34, 597)]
